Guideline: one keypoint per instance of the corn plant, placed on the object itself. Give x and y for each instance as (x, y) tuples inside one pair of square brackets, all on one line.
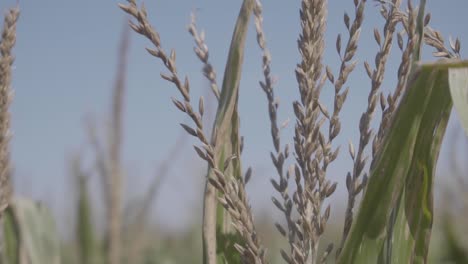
[(394, 221)]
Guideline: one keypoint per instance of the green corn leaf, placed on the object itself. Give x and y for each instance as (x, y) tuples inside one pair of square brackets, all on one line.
[(419, 184), (368, 232), (226, 129), (87, 246), (32, 230), (401, 180), (225, 250), (413, 229), (11, 238)]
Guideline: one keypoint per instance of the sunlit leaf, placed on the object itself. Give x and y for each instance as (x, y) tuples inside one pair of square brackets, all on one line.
[(458, 79)]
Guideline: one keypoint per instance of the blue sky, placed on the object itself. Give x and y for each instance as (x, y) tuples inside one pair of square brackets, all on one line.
[(65, 65)]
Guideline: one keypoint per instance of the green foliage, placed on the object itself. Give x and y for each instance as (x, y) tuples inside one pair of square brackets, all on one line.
[(225, 247), (31, 233), (11, 238), (403, 175), (87, 244), (415, 216), (393, 224)]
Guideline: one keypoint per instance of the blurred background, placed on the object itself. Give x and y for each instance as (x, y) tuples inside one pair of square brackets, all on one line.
[(64, 73)]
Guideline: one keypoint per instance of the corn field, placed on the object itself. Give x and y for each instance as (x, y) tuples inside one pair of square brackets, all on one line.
[(387, 206)]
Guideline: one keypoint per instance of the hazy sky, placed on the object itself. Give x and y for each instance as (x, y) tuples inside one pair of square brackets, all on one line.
[(65, 65)]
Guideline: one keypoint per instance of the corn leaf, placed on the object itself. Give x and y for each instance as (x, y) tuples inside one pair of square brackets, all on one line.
[(87, 244), (413, 230), (401, 180), (217, 224), (33, 228), (11, 238)]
